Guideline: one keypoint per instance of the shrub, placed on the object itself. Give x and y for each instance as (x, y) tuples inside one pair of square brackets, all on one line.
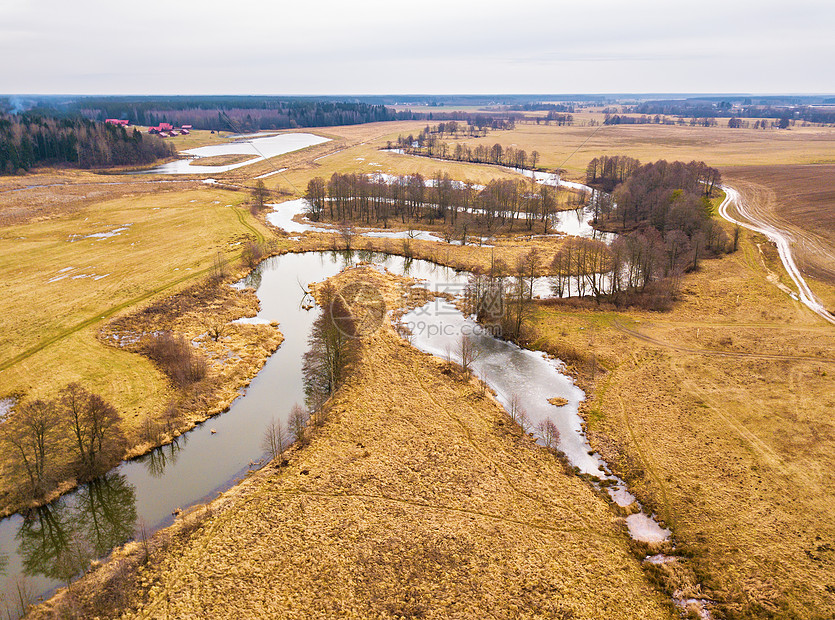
[(176, 358)]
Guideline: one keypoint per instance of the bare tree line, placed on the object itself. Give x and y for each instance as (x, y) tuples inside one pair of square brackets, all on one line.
[(432, 146), (376, 200)]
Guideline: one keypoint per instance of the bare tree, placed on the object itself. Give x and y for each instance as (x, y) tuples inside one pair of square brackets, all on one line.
[(549, 434), (469, 354), (315, 196), (95, 426), (216, 328), (518, 414), (29, 434), (347, 232), (219, 270), (298, 423), (259, 195), (275, 439)]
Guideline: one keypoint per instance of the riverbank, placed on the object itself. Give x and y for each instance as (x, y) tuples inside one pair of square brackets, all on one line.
[(206, 315), (418, 496)]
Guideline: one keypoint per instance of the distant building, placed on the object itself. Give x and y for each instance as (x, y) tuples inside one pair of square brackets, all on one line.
[(166, 130), (117, 121)]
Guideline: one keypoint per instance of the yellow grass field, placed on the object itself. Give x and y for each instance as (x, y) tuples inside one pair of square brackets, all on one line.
[(418, 498), (718, 415), (571, 147), (60, 285)]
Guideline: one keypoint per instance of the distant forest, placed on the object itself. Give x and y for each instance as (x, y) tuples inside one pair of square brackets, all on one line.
[(248, 113), (28, 140), (223, 113), (823, 114)]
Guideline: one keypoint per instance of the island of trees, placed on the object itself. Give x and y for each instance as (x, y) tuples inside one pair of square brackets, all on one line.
[(430, 143), (459, 208)]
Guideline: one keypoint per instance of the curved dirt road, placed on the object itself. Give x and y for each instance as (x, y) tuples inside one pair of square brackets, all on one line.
[(783, 242)]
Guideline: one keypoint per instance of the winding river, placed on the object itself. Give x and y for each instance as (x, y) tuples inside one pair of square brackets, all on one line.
[(41, 551)]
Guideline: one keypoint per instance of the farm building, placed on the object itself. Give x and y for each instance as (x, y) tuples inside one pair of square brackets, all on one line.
[(166, 130)]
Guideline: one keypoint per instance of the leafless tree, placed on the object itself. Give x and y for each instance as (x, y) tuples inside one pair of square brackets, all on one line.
[(348, 234), (95, 427), (274, 441), (298, 423), (315, 196), (219, 270), (216, 328), (252, 253), (469, 353), (176, 358), (259, 195), (30, 436), (549, 434), (518, 414)]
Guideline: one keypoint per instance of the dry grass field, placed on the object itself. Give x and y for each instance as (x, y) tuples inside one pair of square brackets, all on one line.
[(356, 148), (717, 413), (800, 200), (571, 147), (418, 498), (719, 416)]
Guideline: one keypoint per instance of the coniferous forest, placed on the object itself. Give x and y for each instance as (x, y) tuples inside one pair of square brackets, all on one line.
[(28, 141)]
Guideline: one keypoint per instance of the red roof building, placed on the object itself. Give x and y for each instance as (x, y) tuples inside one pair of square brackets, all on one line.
[(117, 121)]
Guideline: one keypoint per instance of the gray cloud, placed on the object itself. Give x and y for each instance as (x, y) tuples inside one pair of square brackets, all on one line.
[(365, 47)]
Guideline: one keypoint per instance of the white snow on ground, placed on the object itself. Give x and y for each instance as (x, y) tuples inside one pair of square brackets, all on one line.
[(260, 146), (645, 529), (102, 235), (106, 235), (6, 406), (79, 276), (269, 174)]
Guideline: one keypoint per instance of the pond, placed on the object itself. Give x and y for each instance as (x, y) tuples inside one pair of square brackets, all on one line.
[(260, 148)]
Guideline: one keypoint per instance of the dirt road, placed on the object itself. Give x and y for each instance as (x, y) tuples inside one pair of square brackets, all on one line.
[(753, 215)]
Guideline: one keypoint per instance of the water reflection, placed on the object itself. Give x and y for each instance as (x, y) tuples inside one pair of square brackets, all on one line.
[(156, 460), (59, 540)]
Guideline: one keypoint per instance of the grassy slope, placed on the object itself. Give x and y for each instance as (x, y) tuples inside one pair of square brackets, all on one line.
[(718, 413), (418, 499), (171, 235)]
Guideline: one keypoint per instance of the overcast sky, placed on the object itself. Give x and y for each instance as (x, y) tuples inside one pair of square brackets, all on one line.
[(422, 46)]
